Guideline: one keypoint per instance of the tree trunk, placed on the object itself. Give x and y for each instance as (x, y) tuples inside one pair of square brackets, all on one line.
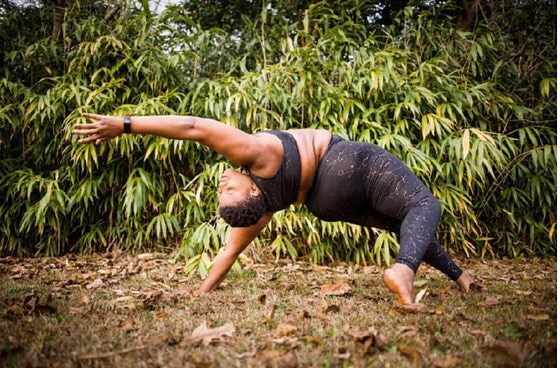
[(467, 14), (58, 17)]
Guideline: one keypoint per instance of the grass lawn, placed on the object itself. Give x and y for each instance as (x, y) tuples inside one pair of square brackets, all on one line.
[(116, 310)]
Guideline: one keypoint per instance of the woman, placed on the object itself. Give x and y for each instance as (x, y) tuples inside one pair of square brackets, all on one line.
[(337, 179)]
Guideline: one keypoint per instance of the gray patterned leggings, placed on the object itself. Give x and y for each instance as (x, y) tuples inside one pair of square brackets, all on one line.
[(364, 184)]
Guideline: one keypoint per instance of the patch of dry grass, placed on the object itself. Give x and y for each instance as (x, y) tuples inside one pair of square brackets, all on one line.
[(116, 310)]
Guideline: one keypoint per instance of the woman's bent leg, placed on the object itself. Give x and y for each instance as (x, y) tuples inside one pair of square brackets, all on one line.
[(417, 231), (438, 258)]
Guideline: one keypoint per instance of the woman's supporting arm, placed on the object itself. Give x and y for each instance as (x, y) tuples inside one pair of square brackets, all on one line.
[(235, 145), (239, 239)]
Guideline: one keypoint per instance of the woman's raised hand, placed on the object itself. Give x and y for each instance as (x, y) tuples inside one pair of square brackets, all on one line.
[(104, 127)]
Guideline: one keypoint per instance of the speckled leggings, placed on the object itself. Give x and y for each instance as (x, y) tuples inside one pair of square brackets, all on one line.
[(362, 183)]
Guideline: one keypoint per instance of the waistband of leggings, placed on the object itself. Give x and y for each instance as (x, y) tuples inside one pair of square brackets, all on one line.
[(334, 140)]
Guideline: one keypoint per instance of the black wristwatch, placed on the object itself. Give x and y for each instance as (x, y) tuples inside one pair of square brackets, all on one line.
[(127, 123)]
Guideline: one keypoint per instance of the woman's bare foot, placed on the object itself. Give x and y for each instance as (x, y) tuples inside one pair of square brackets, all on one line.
[(400, 280), (466, 281)]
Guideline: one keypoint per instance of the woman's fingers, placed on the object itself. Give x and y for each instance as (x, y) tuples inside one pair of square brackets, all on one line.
[(92, 116), (100, 140), (84, 131), (89, 139)]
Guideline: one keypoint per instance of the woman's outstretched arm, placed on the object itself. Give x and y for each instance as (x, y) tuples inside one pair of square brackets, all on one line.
[(234, 144), (239, 239)]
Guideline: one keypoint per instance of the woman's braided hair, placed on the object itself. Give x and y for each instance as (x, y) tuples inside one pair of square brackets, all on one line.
[(245, 213)]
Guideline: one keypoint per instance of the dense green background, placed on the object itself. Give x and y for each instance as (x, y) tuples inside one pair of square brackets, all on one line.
[(466, 96)]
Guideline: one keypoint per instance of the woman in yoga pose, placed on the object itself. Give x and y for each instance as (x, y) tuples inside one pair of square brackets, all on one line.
[(337, 179)]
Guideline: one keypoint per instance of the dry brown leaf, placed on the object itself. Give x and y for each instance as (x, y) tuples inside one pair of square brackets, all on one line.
[(413, 308), (448, 362), (342, 356), (95, 284), (506, 354), (285, 329), (405, 332), (201, 360), (316, 340), (271, 358), (479, 333), (332, 309), (161, 314), (262, 299), (152, 297), (412, 354), (336, 289), (270, 314), (127, 327), (149, 256), (420, 295), (371, 339), (84, 299), (537, 317), (206, 335), (490, 301)]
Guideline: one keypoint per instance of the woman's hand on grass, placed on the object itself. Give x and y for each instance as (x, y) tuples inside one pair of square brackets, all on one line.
[(189, 293), (105, 127)]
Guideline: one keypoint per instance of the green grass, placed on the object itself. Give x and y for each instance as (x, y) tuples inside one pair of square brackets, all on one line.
[(459, 326)]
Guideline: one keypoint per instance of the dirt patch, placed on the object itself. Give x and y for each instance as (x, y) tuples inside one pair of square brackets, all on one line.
[(117, 310)]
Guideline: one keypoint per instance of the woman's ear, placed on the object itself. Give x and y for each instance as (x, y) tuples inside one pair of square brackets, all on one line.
[(255, 192)]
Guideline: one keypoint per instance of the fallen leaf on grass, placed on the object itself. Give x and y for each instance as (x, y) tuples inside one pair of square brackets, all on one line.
[(148, 256), (247, 354), (161, 314), (479, 333), (449, 362), (332, 309), (188, 293), (405, 332), (490, 302), (270, 314), (412, 354), (336, 289), (316, 340), (371, 339), (342, 355), (127, 327), (271, 358), (285, 329), (206, 335), (420, 282), (121, 299), (506, 354), (152, 297), (537, 317), (95, 284), (413, 308), (420, 295), (201, 360)]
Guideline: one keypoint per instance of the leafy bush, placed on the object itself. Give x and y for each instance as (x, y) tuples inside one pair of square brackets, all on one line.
[(472, 113)]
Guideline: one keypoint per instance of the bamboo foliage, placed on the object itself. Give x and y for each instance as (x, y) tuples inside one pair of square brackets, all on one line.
[(439, 98)]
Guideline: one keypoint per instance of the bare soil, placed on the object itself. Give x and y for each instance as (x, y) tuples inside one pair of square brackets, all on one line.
[(117, 310)]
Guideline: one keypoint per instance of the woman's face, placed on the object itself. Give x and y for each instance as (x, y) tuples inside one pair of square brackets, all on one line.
[(235, 187)]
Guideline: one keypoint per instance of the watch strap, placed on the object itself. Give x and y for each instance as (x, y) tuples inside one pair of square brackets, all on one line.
[(127, 123)]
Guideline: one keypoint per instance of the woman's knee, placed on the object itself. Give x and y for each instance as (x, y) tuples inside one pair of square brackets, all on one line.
[(431, 204)]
